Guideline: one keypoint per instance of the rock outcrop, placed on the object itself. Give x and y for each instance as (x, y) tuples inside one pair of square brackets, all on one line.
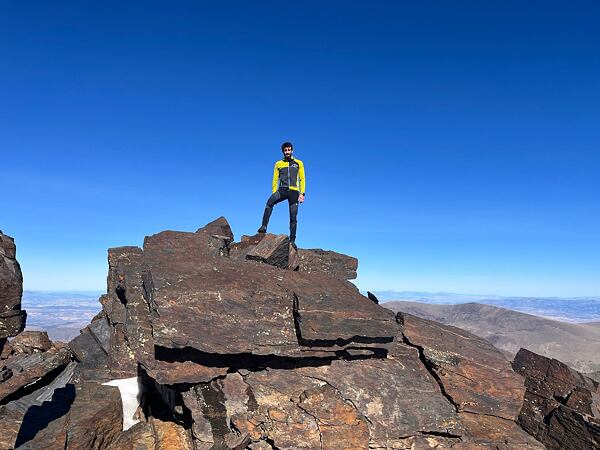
[(32, 368), (12, 317), (562, 406), (254, 345)]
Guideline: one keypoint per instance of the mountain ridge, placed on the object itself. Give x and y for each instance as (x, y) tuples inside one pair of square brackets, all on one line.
[(510, 330)]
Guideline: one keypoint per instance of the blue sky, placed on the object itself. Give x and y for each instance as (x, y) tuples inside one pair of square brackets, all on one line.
[(448, 145)]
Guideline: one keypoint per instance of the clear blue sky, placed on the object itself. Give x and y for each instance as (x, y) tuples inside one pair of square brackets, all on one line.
[(448, 145)]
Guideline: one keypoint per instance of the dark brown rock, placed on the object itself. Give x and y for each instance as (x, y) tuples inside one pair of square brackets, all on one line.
[(272, 249), (12, 322), (32, 411), (154, 435), (561, 406), (31, 341), (10, 423), (239, 250), (236, 354), (12, 318), (293, 259), (200, 298), (5, 349), (92, 346), (475, 375), (94, 421), (335, 264), (218, 227), (131, 339), (367, 403), (476, 378), (29, 370), (329, 310)]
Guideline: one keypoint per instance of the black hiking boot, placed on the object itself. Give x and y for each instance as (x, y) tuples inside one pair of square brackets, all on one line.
[(293, 244), (262, 230)]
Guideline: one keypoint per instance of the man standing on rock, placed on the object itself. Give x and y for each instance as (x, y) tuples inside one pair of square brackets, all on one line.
[(288, 184)]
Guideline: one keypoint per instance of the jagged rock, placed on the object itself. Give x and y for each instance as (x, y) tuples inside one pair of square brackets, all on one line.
[(12, 318), (561, 406), (239, 250), (29, 370), (22, 418), (293, 259), (235, 354), (219, 228), (474, 376), (92, 345), (196, 297), (332, 263), (94, 420), (31, 341), (272, 249)]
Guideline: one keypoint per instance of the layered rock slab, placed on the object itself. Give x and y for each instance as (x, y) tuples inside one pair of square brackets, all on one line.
[(335, 264), (374, 403), (272, 249), (475, 377), (205, 302), (29, 370), (244, 354), (561, 406), (93, 419)]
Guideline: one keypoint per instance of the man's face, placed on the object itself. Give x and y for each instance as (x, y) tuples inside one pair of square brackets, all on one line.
[(287, 152)]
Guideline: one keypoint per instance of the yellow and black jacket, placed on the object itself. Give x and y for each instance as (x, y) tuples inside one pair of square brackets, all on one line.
[(289, 175)]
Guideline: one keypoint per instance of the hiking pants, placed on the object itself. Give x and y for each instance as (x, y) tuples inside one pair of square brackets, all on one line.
[(279, 196)]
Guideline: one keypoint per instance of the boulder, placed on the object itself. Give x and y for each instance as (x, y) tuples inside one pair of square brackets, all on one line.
[(561, 406), (335, 264), (272, 249), (239, 250), (31, 341)]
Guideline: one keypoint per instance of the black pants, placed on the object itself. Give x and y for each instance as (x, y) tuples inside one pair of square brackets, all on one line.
[(279, 196)]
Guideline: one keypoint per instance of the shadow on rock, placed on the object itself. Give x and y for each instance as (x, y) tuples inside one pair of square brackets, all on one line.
[(37, 418)]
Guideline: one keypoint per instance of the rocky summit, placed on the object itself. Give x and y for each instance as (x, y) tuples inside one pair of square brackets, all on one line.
[(208, 343)]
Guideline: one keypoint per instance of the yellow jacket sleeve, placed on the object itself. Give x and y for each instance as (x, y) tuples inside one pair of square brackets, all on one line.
[(275, 179), (302, 177)]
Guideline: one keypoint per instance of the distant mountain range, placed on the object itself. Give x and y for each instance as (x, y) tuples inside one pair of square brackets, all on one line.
[(567, 309), (575, 344), (63, 314)]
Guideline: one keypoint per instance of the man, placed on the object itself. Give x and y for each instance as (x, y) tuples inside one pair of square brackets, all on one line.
[(288, 184)]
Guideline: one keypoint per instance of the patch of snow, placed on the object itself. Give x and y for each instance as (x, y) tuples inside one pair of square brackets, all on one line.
[(131, 395)]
